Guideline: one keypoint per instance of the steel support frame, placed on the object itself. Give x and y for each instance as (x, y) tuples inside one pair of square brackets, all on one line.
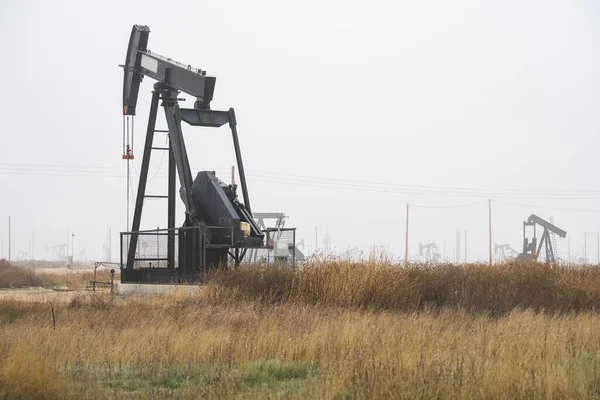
[(545, 241), (178, 162), (215, 119), (238, 157), (171, 208), (179, 166), (173, 117), (529, 247), (139, 201), (535, 247)]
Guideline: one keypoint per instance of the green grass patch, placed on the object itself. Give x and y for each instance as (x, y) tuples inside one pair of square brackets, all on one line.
[(260, 377), (270, 374)]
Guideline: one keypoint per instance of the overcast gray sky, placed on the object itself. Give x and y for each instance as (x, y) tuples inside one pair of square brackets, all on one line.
[(344, 109)]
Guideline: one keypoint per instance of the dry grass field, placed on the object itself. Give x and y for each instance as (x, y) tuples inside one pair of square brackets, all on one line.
[(46, 275), (330, 331)]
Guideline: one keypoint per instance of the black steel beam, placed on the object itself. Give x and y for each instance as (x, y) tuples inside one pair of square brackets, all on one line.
[(178, 76), (178, 148), (171, 209), (208, 118), (238, 156), (539, 247), (547, 225), (549, 252)]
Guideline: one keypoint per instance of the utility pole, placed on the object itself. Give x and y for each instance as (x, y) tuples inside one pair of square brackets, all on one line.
[(585, 247), (232, 175), (490, 225), (316, 241), (406, 240), (9, 236), (458, 246), (465, 247)]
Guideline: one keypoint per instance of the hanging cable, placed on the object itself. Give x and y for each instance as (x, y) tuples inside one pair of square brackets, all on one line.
[(128, 133), (128, 172), (123, 135), (549, 207)]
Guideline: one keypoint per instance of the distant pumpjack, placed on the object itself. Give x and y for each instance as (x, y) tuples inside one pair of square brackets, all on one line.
[(531, 248), (275, 234), (505, 252), (430, 251)]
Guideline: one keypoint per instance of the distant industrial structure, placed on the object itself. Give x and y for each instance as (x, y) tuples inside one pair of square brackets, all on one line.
[(503, 252), (531, 247), (428, 252), (283, 246)]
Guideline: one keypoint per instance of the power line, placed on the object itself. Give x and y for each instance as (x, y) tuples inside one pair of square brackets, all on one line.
[(69, 173), (58, 166), (456, 206), (333, 185), (277, 175), (305, 177), (548, 207), (72, 175), (320, 182)]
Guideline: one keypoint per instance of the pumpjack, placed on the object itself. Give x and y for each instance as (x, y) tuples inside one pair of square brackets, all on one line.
[(504, 252), (430, 251), (218, 227), (531, 248), (284, 246)]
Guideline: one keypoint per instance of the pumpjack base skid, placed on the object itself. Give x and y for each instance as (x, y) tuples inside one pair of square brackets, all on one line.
[(158, 276), (163, 276), (192, 260)]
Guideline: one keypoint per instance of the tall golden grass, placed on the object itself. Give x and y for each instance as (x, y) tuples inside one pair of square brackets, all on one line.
[(11, 276), (326, 331), (494, 289)]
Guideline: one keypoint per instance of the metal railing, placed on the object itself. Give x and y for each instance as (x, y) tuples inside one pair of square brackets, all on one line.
[(280, 248), (152, 245)]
